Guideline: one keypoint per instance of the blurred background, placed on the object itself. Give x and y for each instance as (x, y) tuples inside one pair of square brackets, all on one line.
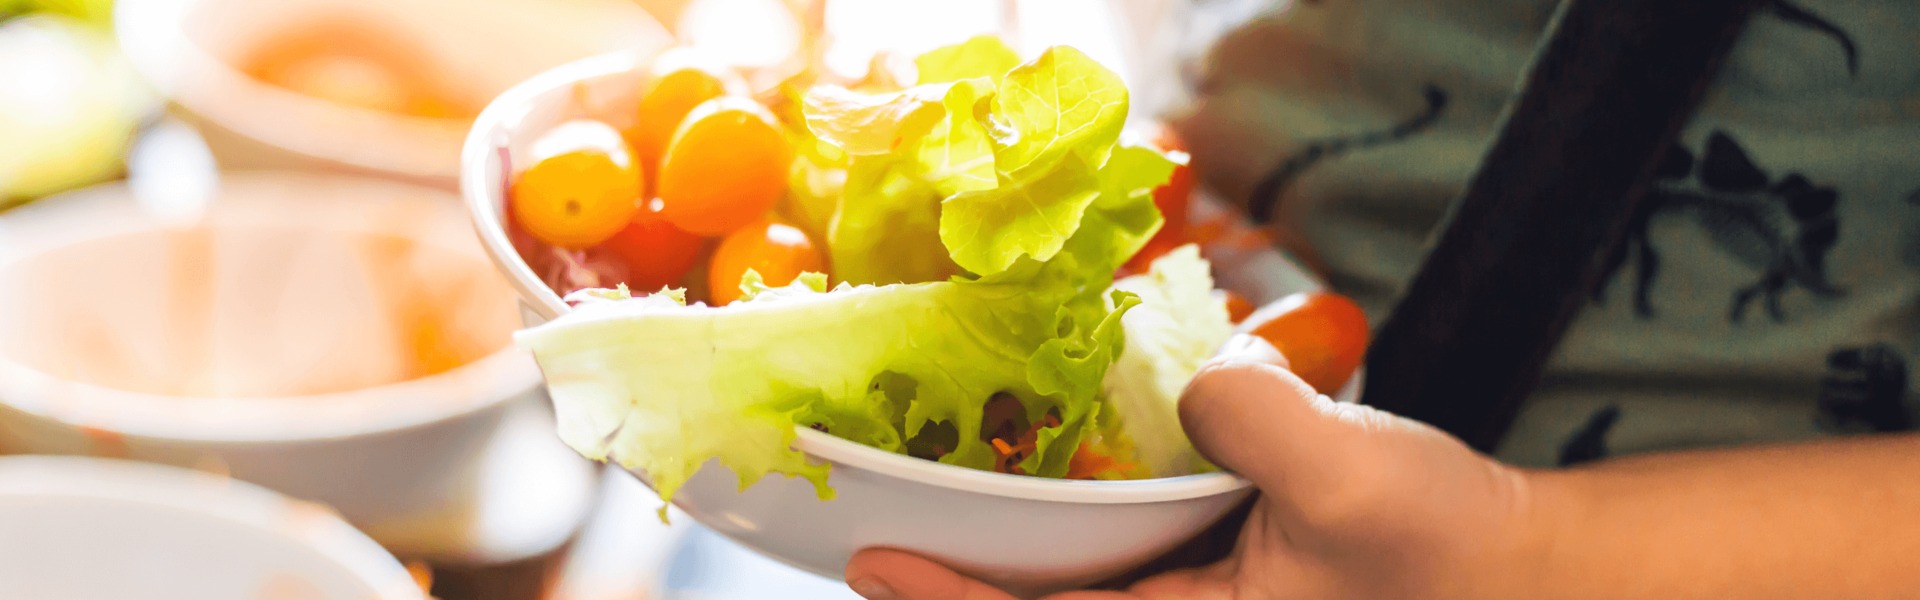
[(231, 242)]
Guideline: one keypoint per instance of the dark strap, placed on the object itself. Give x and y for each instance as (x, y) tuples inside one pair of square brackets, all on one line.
[(1608, 91)]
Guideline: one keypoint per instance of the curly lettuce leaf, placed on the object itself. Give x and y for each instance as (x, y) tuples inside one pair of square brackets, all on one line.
[(663, 388), (1018, 164), (982, 56), (887, 227), (986, 231), (1178, 325), (957, 154), (1121, 220), (1057, 119)]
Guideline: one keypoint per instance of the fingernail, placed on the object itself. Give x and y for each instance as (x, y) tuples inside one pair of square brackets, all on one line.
[(872, 588), (1240, 343)]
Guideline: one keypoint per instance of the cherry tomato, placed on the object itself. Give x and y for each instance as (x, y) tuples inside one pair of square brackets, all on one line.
[(776, 251), (1157, 246), (682, 80), (726, 167), (1238, 307), (583, 188), (1323, 335), (657, 253), (1172, 199)]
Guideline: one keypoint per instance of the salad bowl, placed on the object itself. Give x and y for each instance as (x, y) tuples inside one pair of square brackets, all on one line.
[(1028, 535)]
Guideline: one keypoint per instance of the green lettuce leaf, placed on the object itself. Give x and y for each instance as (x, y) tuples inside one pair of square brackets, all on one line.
[(1121, 220), (1057, 119), (662, 387), (986, 231), (957, 154), (1178, 325), (982, 56), (887, 228)]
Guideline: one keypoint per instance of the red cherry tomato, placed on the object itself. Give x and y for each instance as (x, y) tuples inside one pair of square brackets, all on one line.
[(1172, 199), (776, 251), (1157, 246), (1323, 335), (1238, 307), (657, 253)]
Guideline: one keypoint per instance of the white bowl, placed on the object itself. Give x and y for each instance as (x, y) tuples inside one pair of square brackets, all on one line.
[(972, 520), (93, 529), (302, 396), (188, 49)]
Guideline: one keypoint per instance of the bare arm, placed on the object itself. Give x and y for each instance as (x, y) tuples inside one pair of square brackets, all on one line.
[(1358, 503), (1834, 519)]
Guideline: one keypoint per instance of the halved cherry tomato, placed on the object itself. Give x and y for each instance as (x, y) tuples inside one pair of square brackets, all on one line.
[(682, 79), (776, 251), (1322, 334), (657, 253), (726, 167), (583, 187)]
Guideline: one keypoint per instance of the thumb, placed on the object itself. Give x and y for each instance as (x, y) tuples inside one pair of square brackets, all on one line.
[(1247, 414)]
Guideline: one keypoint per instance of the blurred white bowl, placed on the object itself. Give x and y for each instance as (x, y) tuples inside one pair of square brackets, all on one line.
[(195, 52), (272, 341), (972, 520), (92, 529)]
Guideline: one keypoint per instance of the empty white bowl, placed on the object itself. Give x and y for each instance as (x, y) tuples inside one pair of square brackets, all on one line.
[(94, 529), (194, 51), (982, 523), (263, 343)]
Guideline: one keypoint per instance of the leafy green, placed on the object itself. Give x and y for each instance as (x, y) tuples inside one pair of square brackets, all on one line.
[(1058, 118), (663, 387), (1017, 165), (887, 228), (1178, 325), (1121, 220), (987, 230), (982, 56)]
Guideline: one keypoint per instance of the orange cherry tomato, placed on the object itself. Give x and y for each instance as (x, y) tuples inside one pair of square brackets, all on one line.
[(776, 251), (1323, 335), (682, 80), (726, 167), (657, 253), (583, 188), (1238, 307)]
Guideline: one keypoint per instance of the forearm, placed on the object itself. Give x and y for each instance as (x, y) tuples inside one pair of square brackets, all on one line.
[(1833, 520)]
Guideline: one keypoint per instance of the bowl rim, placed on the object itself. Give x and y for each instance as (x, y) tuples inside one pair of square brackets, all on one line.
[(493, 380), (270, 514), (484, 146), (153, 34), (486, 142)]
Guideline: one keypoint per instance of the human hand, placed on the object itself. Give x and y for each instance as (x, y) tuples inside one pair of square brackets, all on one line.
[(1354, 503)]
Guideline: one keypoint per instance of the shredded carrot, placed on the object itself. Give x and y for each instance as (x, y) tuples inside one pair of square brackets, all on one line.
[(1088, 463)]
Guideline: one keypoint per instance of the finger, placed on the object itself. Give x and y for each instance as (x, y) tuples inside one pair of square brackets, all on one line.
[(1259, 420), (885, 574), (1253, 348)]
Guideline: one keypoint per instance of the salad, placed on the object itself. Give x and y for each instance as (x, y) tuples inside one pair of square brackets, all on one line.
[(985, 269)]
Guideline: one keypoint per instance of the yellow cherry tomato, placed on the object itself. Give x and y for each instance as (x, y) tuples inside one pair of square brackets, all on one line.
[(583, 188)]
